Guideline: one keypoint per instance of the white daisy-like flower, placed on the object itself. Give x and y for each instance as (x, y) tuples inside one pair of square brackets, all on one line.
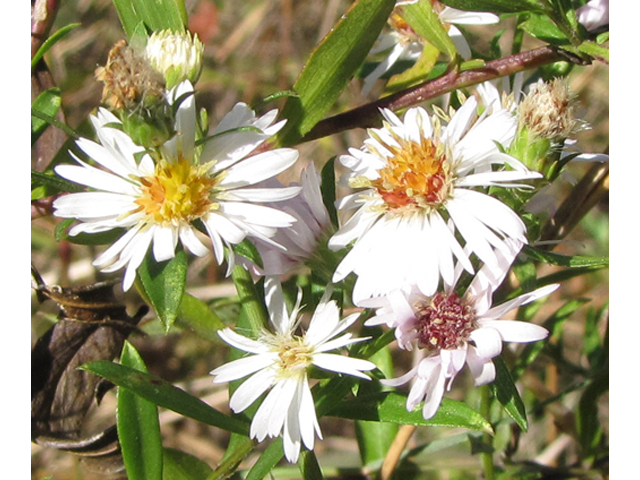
[(452, 331), (301, 240), (279, 363), (419, 185), (162, 197), (403, 43)]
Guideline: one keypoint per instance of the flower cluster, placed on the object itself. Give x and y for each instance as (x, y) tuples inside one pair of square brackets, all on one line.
[(421, 231)]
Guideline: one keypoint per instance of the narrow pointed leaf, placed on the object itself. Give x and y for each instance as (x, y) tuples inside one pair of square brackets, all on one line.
[(138, 426), (155, 15), (165, 395), (269, 459), (178, 465), (195, 315), (50, 42), (375, 438), (331, 66), (496, 6), (163, 283), (504, 389), (391, 407), (424, 20), (48, 103), (560, 260)]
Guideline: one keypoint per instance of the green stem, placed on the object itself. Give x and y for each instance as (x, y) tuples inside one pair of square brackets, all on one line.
[(309, 467), (487, 456), (230, 463)]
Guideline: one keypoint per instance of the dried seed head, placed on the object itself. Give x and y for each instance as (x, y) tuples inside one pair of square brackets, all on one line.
[(130, 82), (548, 110)]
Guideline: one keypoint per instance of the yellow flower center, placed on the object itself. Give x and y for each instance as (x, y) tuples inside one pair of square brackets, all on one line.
[(417, 175), (294, 355), (177, 193)]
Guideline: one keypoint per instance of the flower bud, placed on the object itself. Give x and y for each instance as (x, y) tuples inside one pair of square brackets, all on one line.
[(177, 56)]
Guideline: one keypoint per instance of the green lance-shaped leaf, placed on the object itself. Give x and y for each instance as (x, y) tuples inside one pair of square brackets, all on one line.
[(425, 22), (165, 395), (375, 438), (560, 260), (195, 315), (155, 15), (47, 104), (391, 407), (267, 461), (138, 426), (504, 389), (497, 6), (44, 184), (331, 65), (254, 315), (50, 42), (163, 283), (178, 465)]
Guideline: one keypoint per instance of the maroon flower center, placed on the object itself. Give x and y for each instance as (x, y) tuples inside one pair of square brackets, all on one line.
[(445, 323)]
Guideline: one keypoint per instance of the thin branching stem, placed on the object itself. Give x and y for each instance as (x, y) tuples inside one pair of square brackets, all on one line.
[(369, 115)]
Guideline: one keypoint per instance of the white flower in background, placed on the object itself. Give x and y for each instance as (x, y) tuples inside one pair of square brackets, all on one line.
[(177, 56), (594, 14), (301, 240), (418, 185), (452, 331), (279, 363), (403, 43), (159, 197)]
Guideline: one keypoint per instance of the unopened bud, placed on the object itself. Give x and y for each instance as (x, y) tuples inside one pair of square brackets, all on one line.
[(177, 56)]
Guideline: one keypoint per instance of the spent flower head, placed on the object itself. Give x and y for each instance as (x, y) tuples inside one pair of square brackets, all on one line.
[(173, 193), (452, 330), (416, 184), (279, 365), (548, 110), (135, 92)]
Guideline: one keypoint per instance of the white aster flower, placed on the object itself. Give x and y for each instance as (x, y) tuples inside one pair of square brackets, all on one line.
[(279, 364), (452, 331), (162, 196), (403, 43), (302, 240), (419, 183)]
